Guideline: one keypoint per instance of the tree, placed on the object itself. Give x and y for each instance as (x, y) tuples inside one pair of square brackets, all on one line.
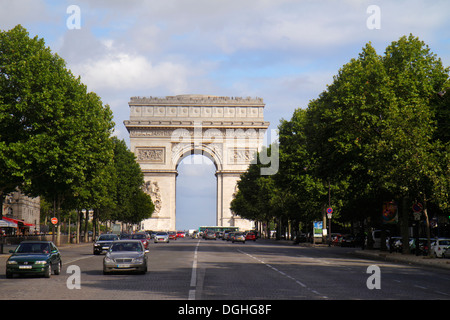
[(53, 132), (374, 125), (133, 205)]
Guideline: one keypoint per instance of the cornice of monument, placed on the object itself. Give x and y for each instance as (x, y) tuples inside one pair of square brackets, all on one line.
[(170, 125), (196, 100)]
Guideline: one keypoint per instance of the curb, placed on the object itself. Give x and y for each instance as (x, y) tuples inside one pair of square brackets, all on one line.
[(423, 261)]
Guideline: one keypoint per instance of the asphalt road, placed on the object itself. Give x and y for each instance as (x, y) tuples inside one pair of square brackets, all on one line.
[(193, 269)]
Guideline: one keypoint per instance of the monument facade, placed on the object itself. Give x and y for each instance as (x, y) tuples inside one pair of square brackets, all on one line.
[(163, 131)]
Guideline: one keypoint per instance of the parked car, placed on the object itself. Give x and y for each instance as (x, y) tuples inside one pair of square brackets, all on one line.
[(142, 237), (126, 255), (161, 237), (238, 237), (438, 246), (34, 257), (335, 238), (103, 242), (347, 240), (446, 252)]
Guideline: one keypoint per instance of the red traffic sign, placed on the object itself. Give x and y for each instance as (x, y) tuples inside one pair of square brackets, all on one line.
[(54, 220), (417, 207), (330, 210)]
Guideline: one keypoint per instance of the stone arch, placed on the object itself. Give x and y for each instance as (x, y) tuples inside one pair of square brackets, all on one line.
[(211, 152), (163, 131)]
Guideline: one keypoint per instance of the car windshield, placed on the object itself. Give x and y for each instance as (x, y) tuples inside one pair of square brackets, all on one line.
[(108, 237), (161, 234), (126, 246), (33, 248)]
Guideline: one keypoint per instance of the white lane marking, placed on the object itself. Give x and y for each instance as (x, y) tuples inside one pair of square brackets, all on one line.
[(77, 259), (283, 274), (194, 274)]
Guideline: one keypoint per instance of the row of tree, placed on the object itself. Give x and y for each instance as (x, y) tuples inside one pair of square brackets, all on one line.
[(56, 137), (379, 132)]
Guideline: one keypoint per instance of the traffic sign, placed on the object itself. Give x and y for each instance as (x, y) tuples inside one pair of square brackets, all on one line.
[(330, 210), (54, 220), (417, 207)]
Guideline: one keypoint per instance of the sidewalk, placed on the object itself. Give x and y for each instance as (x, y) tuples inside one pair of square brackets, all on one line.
[(409, 259)]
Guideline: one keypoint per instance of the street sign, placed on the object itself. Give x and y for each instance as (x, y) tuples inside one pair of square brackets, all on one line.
[(329, 215), (329, 212), (54, 220), (417, 207)]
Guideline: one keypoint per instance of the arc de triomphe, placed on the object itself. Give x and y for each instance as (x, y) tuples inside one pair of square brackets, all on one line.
[(228, 130)]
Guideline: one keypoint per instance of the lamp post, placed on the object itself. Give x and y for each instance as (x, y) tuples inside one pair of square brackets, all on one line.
[(329, 213)]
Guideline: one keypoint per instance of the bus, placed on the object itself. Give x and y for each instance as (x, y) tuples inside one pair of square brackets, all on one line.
[(217, 229)]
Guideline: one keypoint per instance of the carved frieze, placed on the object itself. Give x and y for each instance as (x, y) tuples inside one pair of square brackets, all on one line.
[(151, 188), (241, 155), (150, 154)]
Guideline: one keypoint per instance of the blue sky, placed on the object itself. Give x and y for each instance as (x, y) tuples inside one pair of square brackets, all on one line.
[(284, 51)]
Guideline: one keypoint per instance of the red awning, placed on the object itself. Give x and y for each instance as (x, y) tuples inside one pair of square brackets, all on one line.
[(18, 222), (7, 224)]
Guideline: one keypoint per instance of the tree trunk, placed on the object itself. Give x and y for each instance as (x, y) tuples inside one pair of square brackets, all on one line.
[(404, 226)]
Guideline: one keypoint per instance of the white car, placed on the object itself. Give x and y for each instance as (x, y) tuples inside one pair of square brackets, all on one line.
[(438, 246), (161, 237), (446, 252)]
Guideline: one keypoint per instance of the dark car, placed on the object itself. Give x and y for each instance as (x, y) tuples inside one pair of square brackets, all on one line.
[(34, 257), (347, 241), (103, 242)]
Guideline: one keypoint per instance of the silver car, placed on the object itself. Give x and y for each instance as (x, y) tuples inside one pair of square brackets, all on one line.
[(126, 255), (161, 237)]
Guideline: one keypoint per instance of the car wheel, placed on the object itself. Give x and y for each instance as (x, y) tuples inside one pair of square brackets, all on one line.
[(9, 275), (48, 271), (57, 271)]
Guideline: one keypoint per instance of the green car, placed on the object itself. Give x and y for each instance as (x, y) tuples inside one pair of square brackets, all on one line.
[(34, 257)]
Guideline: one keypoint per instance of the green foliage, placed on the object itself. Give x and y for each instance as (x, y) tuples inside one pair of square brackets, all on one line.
[(379, 132), (55, 137)]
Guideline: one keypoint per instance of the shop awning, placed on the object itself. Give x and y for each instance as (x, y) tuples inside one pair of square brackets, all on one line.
[(18, 222), (7, 224)]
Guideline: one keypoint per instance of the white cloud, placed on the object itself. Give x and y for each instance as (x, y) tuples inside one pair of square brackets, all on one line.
[(123, 70)]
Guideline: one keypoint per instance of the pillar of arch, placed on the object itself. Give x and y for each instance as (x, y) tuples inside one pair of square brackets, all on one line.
[(228, 130)]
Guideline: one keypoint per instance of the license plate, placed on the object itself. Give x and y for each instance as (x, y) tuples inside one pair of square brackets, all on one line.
[(25, 267), (123, 266)]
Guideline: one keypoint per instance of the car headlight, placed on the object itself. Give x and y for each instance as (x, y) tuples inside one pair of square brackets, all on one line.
[(41, 262), (108, 259), (138, 260), (11, 262)]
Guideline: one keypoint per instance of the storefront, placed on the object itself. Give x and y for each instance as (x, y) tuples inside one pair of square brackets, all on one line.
[(14, 227)]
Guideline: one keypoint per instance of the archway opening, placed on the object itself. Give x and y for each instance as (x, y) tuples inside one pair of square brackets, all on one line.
[(196, 192)]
